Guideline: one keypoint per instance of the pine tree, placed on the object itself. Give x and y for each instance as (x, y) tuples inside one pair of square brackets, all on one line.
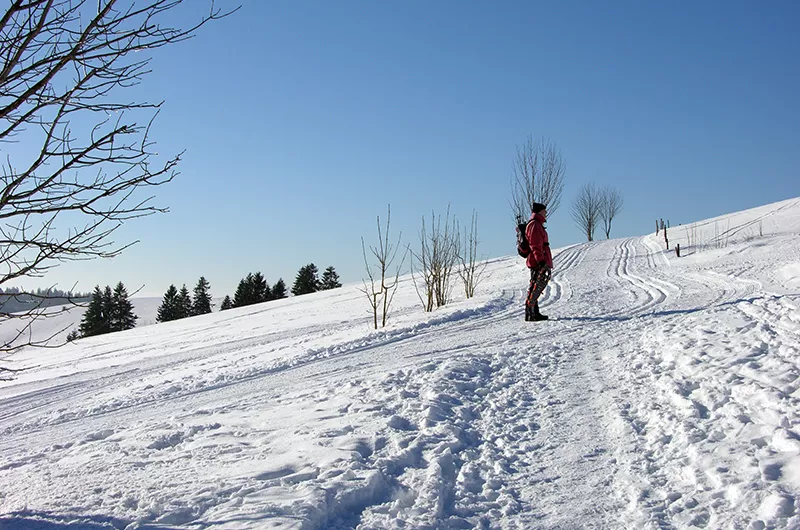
[(168, 310), (279, 290), (306, 281), (184, 303), (260, 289), (92, 321), (244, 292), (330, 280), (108, 310), (267, 292), (201, 304), (121, 316), (226, 303)]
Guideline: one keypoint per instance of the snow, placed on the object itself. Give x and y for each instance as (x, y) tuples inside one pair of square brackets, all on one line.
[(663, 394)]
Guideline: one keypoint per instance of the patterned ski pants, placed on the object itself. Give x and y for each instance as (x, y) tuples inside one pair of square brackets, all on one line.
[(540, 276)]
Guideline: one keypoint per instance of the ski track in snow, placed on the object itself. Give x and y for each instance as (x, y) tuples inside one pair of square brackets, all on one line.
[(662, 394)]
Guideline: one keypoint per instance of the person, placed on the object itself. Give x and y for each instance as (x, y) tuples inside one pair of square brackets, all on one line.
[(539, 261)]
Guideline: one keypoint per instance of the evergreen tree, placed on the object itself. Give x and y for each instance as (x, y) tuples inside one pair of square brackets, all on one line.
[(244, 292), (121, 315), (260, 289), (92, 321), (73, 335), (307, 280), (184, 303), (168, 310), (108, 310), (201, 304), (279, 290), (330, 280), (226, 303)]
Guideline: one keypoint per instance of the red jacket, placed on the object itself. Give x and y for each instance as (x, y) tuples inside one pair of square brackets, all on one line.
[(539, 242)]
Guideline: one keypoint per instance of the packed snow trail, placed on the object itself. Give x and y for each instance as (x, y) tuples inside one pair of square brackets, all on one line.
[(663, 394)]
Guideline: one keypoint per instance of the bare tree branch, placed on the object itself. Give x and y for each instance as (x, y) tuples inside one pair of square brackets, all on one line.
[(370, 290), (586, 210), (538, 176), (611, 205), (65, 64)]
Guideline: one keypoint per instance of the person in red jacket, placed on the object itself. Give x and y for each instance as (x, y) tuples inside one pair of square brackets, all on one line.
[(539, 261)]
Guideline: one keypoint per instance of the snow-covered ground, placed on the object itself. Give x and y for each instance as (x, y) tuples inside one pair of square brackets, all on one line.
[(663, 394)]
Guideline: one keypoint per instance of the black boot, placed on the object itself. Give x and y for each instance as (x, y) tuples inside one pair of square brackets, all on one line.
[(537, 315), (528, 313)]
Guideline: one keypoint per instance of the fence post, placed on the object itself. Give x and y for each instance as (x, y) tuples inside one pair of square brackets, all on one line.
[(678, 249)]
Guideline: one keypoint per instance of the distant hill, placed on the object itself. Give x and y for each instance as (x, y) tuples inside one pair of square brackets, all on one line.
[(59, 323), (18, 303)]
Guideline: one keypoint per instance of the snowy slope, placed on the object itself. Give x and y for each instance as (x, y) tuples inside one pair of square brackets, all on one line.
[(664, 394)]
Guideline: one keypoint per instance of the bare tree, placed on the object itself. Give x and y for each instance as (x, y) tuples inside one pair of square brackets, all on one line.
[(586, 210), (436, 260), (611, 205), (83, 155), (380, 290), (538, 176), (470, 270)]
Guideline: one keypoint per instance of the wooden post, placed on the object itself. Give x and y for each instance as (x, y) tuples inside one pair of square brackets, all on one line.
[(666, 240), (656, 226), (678, 249)]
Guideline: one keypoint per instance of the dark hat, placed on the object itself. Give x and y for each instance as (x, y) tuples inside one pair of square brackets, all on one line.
[(537, 207)]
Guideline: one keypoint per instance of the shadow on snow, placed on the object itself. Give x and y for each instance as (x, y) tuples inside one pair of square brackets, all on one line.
[(30, 520)]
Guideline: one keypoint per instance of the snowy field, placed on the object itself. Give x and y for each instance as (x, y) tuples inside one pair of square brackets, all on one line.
[(663, 394)]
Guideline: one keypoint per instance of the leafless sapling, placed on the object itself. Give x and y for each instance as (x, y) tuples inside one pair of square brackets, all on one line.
[(436, 260), (381, 289), (470, 269)]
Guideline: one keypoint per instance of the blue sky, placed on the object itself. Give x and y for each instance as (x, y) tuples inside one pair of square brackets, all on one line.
[(302, 120)]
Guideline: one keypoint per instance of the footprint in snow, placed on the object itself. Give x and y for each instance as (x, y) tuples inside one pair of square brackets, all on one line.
[(98, 436), (400, 423), (276, 474)]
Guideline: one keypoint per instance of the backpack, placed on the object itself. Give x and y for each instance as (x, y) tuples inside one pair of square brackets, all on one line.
[(523, 247)]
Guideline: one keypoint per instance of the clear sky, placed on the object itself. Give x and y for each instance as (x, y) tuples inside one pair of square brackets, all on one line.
[(302, 120)]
